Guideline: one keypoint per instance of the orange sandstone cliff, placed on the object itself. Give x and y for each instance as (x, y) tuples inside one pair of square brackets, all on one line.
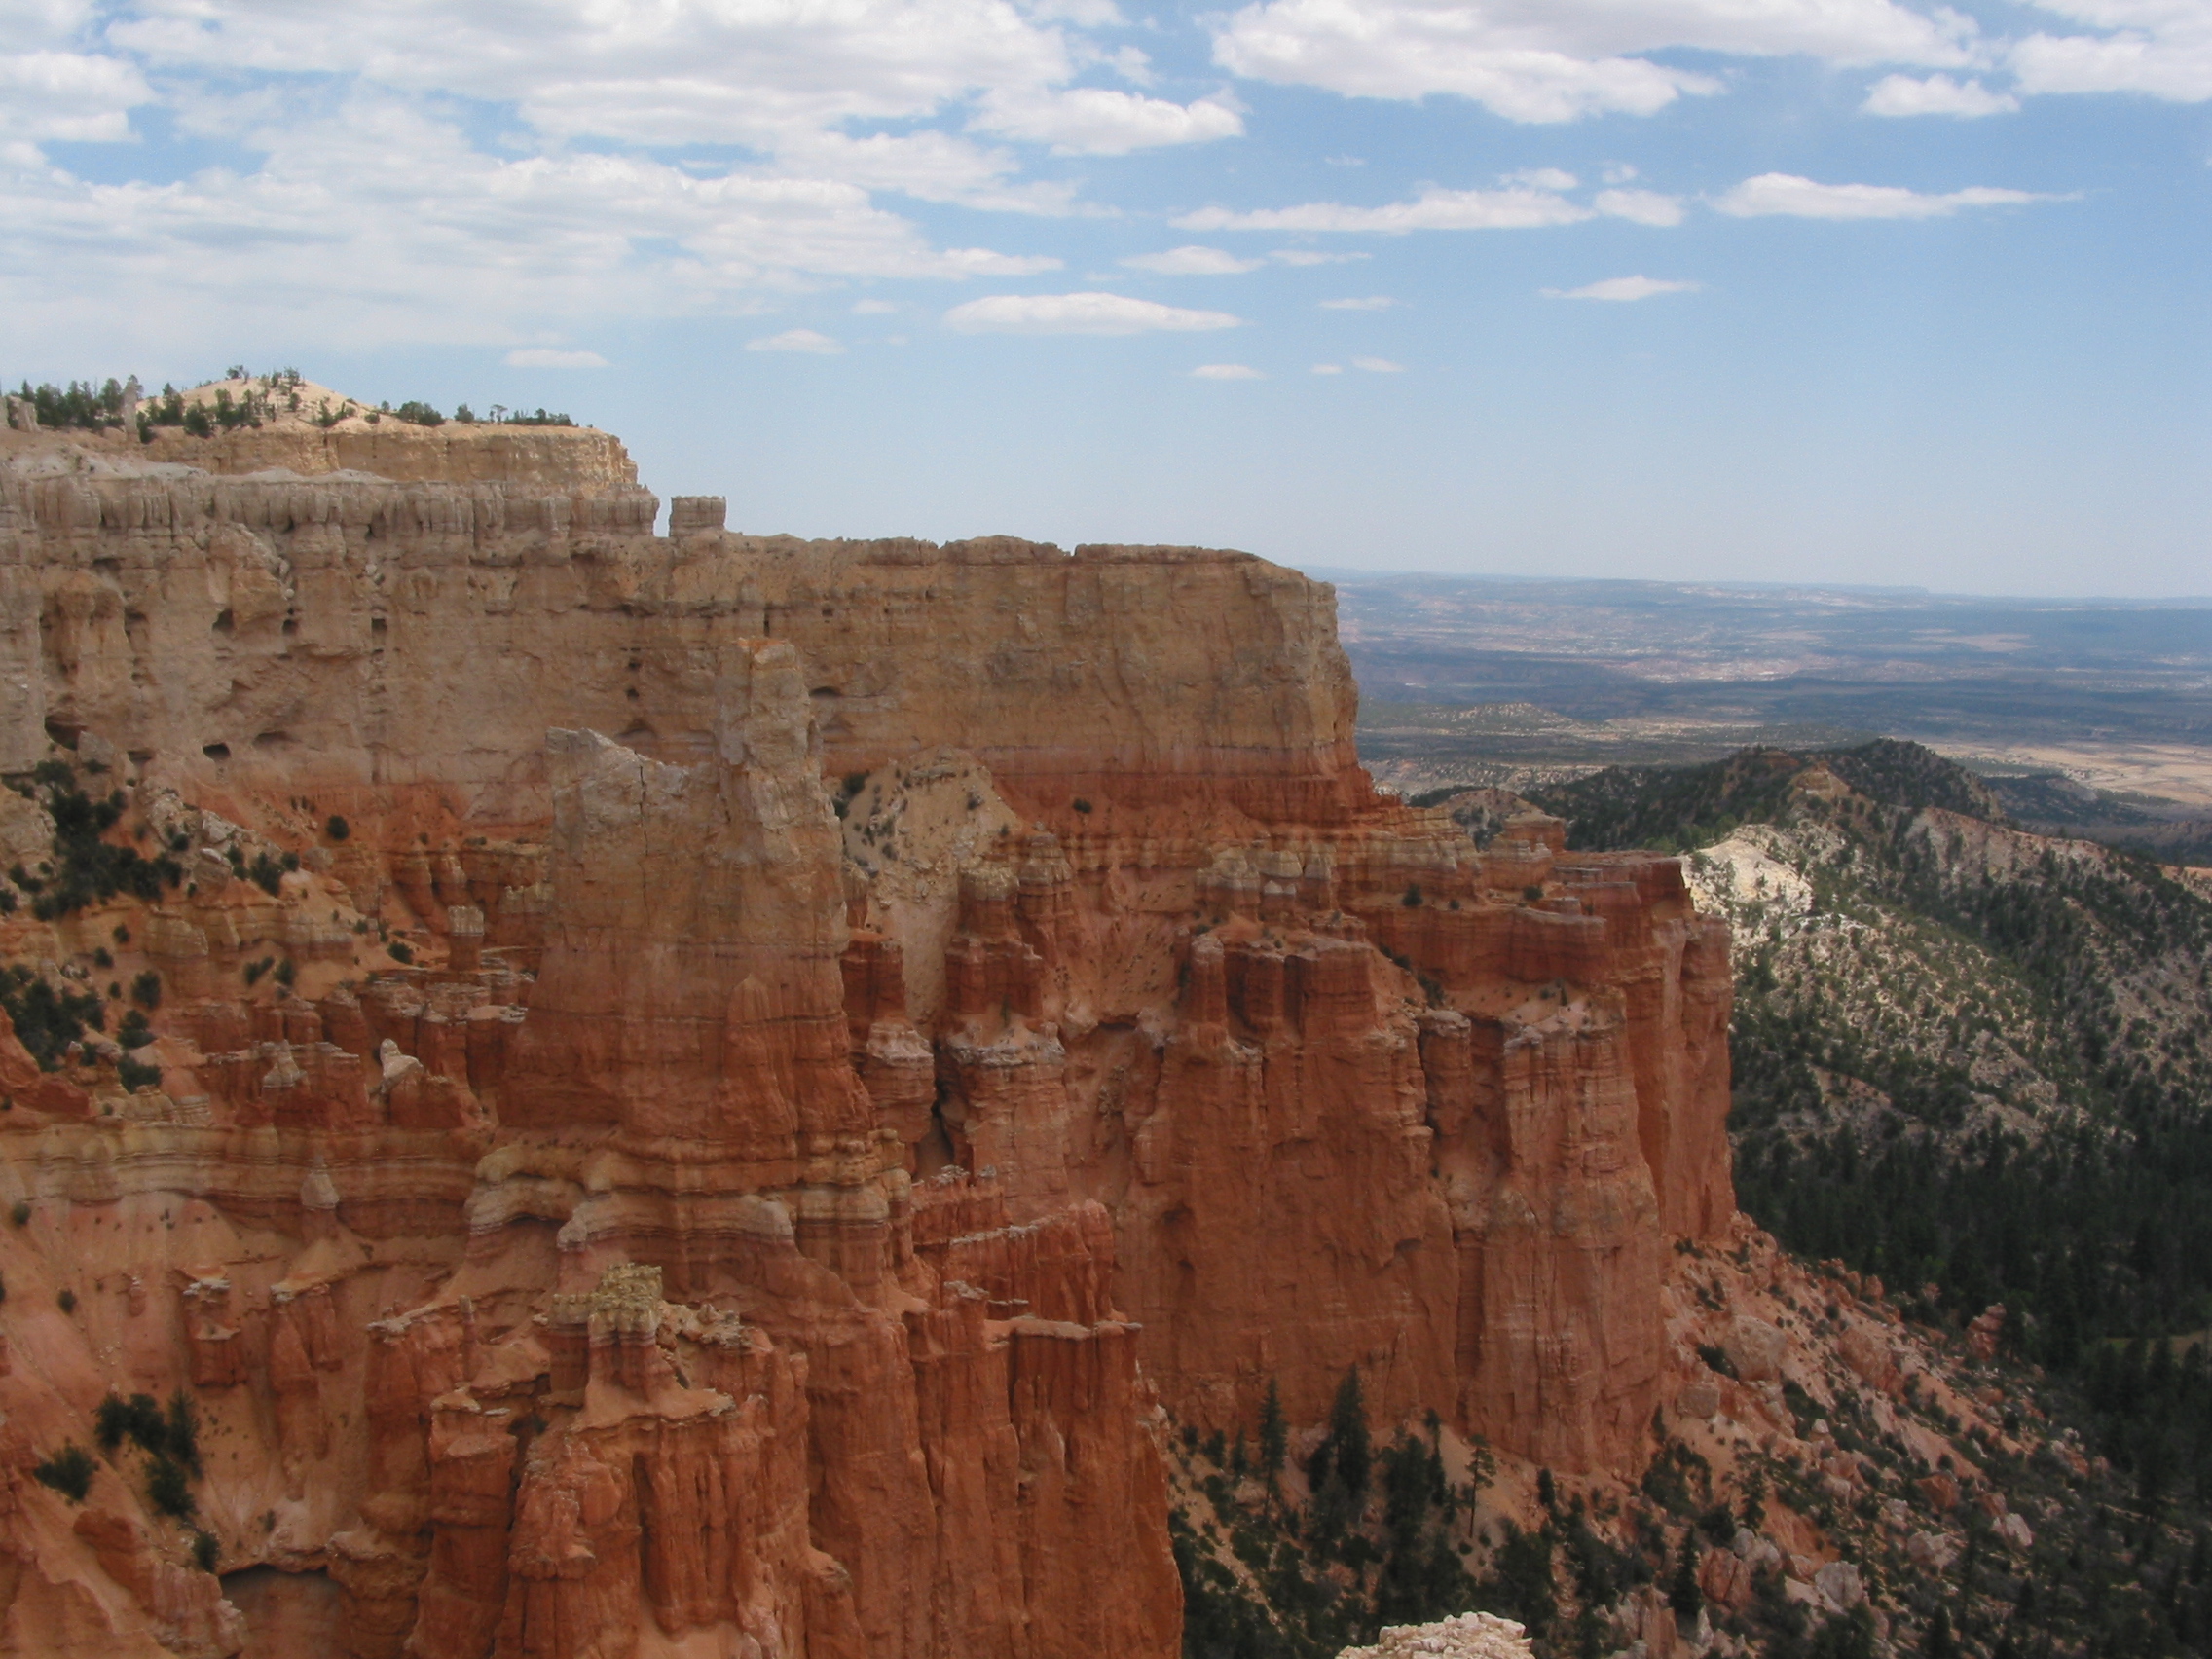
[(715, 1093)]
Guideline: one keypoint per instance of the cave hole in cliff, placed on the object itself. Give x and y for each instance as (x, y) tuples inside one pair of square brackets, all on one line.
[(285, 1612), (941, 1147), (272, 739), (377, 624), (225, 622), (64, 730), (216, 750)]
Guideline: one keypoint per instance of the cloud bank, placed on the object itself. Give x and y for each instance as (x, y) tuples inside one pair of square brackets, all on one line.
[(1079, 313)]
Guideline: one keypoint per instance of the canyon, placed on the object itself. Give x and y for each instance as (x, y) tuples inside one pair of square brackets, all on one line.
[(706, 1094)]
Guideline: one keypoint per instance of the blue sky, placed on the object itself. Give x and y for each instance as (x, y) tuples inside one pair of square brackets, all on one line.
[(1821, 290)]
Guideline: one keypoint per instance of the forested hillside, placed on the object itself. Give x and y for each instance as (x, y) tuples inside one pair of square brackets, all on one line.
[(1967, 1057)]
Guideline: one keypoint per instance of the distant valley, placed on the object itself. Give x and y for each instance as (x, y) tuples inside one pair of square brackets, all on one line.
[(2088, 717)]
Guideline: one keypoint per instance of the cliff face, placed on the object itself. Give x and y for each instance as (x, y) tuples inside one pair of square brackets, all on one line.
[(776, 1063)]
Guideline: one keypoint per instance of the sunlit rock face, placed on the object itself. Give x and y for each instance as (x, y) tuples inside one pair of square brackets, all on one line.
[(720, 1090)]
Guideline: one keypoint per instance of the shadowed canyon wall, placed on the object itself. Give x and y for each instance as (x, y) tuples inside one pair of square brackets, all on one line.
[(773, 1069)]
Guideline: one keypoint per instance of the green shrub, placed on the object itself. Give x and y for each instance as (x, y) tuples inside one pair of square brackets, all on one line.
[(399, 951), (135, 1076), (85, 868), (419, 414), (47, 1020), (184, 1431), (138, 1420), (337, 828), (205, 1551), (146, 989), (169, 1488), (69, 1472)]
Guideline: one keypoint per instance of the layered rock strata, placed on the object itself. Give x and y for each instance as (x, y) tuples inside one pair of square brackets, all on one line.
[(788, 1061)]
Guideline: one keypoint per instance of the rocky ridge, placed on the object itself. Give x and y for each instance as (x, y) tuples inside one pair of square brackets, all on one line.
[(666, 1107)]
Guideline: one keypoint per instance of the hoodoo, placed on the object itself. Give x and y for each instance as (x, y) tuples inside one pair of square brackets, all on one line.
[(709, 1089)]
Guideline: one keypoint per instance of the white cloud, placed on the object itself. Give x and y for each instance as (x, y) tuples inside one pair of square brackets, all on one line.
[(1090, 14), (1372, 302), (1548, 60), (1128, 62), (1938, 95), (1621, 289), (1803, 199), (796, 340), (1078, 314), (1313, 256), (1328, 368), (928, 166), (1379, 365), (369, 221), (1617, 172), (1434, 210), (1193, 261), (1099, 121), (2160, 48), (874, 307), (1225, 371), (550, 357), (1639, 207), (680, 72), (372, 205), (1542, 178), (68, 95)]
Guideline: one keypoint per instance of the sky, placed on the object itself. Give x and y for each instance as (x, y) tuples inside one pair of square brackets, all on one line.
[(1785, 290)]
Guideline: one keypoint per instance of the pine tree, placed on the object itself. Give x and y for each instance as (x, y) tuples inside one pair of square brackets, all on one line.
[(1348, 1434), (1683, 1594), (1274, 1434)]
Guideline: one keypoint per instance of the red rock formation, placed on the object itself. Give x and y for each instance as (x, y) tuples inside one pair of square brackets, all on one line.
[(787, 1057)]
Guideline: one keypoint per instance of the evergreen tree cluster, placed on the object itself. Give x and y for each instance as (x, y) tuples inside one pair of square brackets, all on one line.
[(79, 406), (170, 1440), (84, 406), (1973, 990), (85, 868), (1373, 1545), (47, 1021)]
